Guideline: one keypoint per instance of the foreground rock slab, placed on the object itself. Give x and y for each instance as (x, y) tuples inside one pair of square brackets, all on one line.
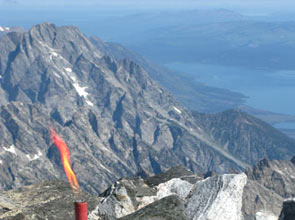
[(49, 200)]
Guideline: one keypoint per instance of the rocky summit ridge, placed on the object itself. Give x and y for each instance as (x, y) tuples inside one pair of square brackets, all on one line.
[(115, 119), (172, 195)]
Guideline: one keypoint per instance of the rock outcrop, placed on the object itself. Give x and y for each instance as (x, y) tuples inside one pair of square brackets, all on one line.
[(218, 197)]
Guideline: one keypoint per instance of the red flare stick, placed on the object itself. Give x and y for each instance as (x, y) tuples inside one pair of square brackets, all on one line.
[(81, 212)]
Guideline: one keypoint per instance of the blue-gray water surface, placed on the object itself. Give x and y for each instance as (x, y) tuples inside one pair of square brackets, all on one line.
[(285, 125), (268, 90)]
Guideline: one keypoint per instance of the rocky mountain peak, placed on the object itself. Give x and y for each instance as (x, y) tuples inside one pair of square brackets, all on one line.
[(115, 119)]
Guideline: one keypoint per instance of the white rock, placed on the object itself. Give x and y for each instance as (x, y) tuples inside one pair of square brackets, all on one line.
[(265, 216), (11, 149), (54, 53), (34, 157), (174, 186), (69, 70), (58, 76), (289, 199), (217, 198)]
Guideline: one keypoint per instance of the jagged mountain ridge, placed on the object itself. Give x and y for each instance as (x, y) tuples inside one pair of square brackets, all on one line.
[(5, 30), (243, 134), (194, 95), (116, 120)]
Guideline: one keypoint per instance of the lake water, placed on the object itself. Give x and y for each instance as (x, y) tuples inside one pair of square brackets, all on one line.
[(285, 125), (273, 91)]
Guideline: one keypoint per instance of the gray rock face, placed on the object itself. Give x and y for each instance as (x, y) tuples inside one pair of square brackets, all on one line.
[(243, 134), (175, 172), (168, 208), (121, 198), (116, 121), (194, 95), (269, 183), (48, 200), (5, 30), (127, 196), (218, 197), (229, 196)]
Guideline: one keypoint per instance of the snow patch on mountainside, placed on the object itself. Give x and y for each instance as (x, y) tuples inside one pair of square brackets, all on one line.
[(69, 72), (34, 157), (1, 162), (177, 110), (11, 149), (4, 28), (53, 54), (80, 90), (58, 76), (105, 168)]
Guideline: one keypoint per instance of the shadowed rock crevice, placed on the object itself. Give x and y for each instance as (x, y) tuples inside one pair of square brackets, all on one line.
[(10, 124), (155, 165), (44, 86), (55, 114), (117, 116), (93, 122), (288, 210)]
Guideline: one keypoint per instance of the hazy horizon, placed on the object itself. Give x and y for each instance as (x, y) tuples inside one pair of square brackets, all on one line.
[(261, 6), (135, 24)]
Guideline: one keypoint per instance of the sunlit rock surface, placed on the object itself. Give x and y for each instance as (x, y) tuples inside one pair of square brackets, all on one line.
[(218, 197)]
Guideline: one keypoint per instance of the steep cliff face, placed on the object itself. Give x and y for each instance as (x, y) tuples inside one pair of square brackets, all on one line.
[(193, 94), (115, 119), (269, 183)]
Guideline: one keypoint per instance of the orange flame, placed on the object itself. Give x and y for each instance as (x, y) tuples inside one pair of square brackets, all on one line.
[(65, 157)]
